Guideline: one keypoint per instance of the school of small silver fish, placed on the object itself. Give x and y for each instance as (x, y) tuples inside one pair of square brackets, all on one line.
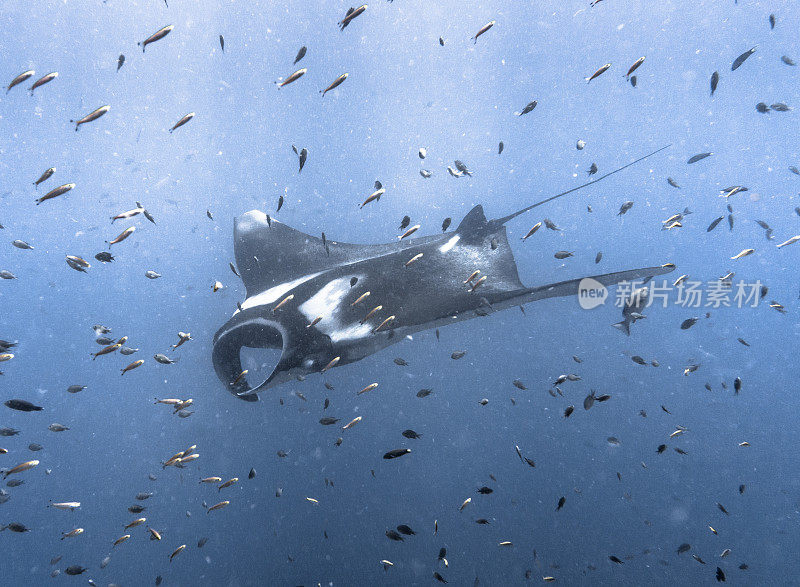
[(161, 482)]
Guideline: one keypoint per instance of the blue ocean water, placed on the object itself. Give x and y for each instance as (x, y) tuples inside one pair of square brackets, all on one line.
[(404, 91)]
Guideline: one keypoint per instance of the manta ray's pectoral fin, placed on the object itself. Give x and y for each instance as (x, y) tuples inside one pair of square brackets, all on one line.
[(570, 287)]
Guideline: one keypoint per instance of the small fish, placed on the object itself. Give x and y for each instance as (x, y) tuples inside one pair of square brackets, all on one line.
[(20, 78), (720, 575), (634, 80), (395, 453), (300, 54), (22, 406), (404, 529), (500, 148), (368, 388), (532, 230), (635, 66), (714, 223), (43, 80), (742, 58), (157, 36), (454, 172), (283, 302), (218, 506), (744, 253), (55, 192), (26, 466), (561, 501), (528, 108), (176, 552), (352, 423), (93, 115), (478, 283), (588, 402), (375, 196), (45, 175), (77, 263), (483, 29), (292, 78), (714, 81), (424, 393), (673, 183), (334, 84), (350, 15), (698, 157), (132, 366), (120, 61), (377, 309), (184, 119), (462, 168), (409, 232), (123, 235), (601, 71), (425, 173), (164, 359), (302, 156), (788, 60), (615, 559), (624, 208)]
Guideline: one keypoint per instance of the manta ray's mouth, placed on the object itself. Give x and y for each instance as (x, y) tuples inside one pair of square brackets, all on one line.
[(259, 341)]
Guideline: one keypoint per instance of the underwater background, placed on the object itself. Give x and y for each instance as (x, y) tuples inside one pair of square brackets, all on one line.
[(458, 100)]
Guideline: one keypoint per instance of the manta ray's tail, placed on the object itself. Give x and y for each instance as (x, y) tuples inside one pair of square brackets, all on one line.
[(505, 219)]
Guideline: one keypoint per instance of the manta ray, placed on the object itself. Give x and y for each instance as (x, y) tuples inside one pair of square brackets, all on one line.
[(324, 303)]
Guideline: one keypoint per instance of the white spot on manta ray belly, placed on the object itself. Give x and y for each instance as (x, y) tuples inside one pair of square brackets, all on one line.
[(327, 303), (272, 294), (447, 247)]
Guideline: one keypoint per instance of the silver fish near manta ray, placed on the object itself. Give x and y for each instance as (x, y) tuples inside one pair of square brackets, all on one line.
[(323, 326)]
